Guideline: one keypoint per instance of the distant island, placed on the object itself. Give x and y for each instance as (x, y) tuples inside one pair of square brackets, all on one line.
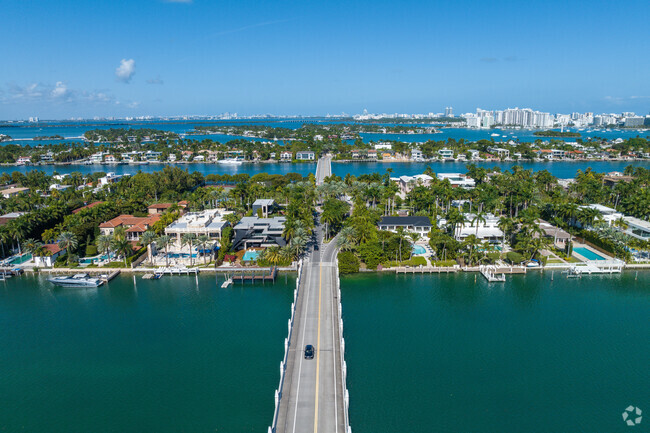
[(48, 137), (551, 133)]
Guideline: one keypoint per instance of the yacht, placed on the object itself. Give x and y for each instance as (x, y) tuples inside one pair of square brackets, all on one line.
[(77, 280), (231, 161)]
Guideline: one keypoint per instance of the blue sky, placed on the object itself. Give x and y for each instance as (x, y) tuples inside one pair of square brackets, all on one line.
[(112, 58)]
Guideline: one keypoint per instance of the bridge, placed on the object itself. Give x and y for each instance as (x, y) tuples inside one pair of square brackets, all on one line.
[(312, 395)]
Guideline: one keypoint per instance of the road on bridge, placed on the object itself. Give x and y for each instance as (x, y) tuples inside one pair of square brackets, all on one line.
[(312, 396)]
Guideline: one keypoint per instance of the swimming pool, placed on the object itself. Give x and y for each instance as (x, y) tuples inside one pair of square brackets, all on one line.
[(21, 259), (419, 249), (250, 255), (588, 254)]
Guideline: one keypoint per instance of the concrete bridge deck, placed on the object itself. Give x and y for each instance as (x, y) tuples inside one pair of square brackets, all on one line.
[(313, 397)]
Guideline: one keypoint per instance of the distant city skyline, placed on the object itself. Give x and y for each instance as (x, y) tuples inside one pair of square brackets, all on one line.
[(169, 58)]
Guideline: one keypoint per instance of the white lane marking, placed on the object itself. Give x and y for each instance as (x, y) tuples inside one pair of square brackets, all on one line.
[(302, 344), (336, 420)]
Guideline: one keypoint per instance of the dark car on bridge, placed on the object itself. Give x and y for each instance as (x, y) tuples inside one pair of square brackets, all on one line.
[(309, 351)]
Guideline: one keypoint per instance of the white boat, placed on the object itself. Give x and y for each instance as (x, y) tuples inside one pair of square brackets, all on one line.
[(230, 161), (77, 280), (494, 135)]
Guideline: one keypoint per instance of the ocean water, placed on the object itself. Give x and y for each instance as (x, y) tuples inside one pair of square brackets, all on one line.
[(452, 353), (561, 169), (168, 355), (23, 133)]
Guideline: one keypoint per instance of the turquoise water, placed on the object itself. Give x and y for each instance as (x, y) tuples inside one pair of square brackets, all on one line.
[(561, 169), (448, 353), (588, 254), (250, 255), (419, 249), (164, 355)]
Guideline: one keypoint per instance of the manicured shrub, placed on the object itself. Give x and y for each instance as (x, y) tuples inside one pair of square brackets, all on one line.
[(348, 262), (514, 258)]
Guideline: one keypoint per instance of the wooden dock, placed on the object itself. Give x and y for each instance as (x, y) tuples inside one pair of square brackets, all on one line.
[(110, 276), (425, 270), (249, 274)]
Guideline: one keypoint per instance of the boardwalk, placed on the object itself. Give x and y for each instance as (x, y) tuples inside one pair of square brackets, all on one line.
[(313, 396)]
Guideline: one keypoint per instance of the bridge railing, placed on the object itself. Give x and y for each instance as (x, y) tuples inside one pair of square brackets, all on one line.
[(287, 343), (344, 369)]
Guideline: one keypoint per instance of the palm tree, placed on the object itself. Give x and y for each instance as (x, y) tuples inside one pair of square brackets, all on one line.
[(163, 242), (122, 246), (31, 245), (68, 242), (479, 217), (472, 242), (119, 233), (147, 239), (104, 244), (401, 237), (346, 239), (203, 241), (273, 255), (17, 230), (188, 239)]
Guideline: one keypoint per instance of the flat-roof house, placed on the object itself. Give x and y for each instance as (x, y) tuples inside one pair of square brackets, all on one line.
[(499, 151), (209, 222), (135, 226), (305, 155), (259, 232), (152, 156), (487, 230), (637, 228), (12, 192), (266, 205), (110, 178), (412, 224), (416, 155), (446, 153), (457, 179)]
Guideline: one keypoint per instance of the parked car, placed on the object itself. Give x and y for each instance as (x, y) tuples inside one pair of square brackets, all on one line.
[(309, 351)]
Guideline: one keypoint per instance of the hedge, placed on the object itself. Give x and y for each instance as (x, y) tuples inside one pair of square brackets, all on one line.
[(348, 262)]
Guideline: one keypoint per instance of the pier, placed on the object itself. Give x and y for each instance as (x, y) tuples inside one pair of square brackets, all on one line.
[(249, 274), (312, 395)]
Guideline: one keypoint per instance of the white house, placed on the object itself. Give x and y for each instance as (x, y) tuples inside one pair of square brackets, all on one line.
[(286, 156), (53, 252), (305, 155), (457, 179), (446, 153), (487, 230)]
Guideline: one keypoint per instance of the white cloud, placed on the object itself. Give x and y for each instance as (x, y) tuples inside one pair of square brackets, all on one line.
[(60, 91), (126, 70)]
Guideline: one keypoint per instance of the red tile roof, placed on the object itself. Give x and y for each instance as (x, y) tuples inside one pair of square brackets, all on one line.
[(52, 248), (88, 206), (130, 221)]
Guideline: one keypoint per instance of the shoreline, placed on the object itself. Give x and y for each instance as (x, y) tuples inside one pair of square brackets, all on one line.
[(387, 161)]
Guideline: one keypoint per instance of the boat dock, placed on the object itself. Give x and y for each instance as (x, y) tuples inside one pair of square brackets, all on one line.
[(425, 269), (491, 273), (110, 276), (249, 274)]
